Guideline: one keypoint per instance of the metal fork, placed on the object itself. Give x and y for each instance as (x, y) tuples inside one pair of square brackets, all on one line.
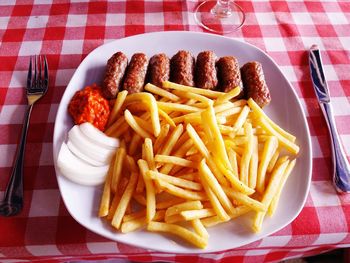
[(37, 85)]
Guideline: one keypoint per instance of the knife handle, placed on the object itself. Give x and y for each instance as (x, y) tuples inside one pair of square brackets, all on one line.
[(341, 167)]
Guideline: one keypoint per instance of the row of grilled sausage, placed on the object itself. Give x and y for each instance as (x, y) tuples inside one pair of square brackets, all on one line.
[(207, 72)]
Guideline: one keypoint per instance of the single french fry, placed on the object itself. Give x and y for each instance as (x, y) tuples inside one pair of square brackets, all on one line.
[(150, 191), (133, 225), (174, 180), (229, 112), (253, 165), (188, 205), (149, 154), (117, 107), (205, 92), (161, 92), (197, 140), (199, 228), (218, 143), (179, 231), (174, 160), (117, 168), (189, 215), (247, 154), (124, 201), (275, 199), (168, 106), (270, 148), (182, 193), (232, 156), (113, 207), (106, 194)]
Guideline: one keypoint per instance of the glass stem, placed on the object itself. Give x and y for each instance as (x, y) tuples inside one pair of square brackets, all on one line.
[(222, 9)]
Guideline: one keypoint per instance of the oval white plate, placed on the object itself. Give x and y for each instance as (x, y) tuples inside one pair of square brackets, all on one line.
[(82, 202)]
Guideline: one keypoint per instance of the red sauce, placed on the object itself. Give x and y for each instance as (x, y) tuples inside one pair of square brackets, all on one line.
[(88, 105)]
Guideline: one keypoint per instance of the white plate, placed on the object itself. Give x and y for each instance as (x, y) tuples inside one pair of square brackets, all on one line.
[(83, 202)]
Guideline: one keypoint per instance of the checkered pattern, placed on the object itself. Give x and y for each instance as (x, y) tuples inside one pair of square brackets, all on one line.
[(67, 32)]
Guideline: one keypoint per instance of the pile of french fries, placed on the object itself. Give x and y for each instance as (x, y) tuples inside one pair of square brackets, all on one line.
[(192, 158)]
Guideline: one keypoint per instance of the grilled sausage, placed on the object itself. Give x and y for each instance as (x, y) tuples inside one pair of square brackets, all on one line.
[(229, 74), (205, 72), (159, 69), (182, 67), (255, 84), (136, 73), (115, 70)]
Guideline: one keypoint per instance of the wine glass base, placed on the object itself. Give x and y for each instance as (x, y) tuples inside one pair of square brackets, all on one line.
[(219, 20)]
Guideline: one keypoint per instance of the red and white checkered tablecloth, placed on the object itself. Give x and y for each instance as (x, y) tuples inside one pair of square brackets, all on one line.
[(68, 31)]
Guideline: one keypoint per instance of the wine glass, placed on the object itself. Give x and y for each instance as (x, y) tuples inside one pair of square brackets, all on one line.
[(221, 16)]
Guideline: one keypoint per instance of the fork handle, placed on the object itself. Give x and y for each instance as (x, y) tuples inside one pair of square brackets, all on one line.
[(341, 166), (13, 199)]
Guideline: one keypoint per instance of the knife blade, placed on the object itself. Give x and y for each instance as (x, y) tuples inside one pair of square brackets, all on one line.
[(341, 166)]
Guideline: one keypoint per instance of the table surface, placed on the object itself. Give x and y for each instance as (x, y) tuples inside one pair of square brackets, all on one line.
[(67, 32)]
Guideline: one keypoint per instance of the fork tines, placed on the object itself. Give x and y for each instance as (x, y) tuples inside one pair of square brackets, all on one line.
[(39, 68)]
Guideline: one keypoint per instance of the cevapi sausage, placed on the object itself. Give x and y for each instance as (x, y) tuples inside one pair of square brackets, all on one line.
[(159, 69), (115, 70), (205, 72), (136, 73), (182, 67), (229, 74), (255, 84)]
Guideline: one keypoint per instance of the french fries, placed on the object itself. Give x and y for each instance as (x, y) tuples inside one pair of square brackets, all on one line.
[(193, 158)]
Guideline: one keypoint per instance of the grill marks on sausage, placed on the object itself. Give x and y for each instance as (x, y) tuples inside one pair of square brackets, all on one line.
[(136, 73), (159, 69), (205, 71), (255, 84), (229, 74), (115, 71), (182, 68)]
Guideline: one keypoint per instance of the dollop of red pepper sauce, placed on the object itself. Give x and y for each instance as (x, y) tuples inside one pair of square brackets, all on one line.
[(89, 105)]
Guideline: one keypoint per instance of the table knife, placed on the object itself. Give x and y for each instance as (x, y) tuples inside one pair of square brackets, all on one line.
[(341, 167)]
